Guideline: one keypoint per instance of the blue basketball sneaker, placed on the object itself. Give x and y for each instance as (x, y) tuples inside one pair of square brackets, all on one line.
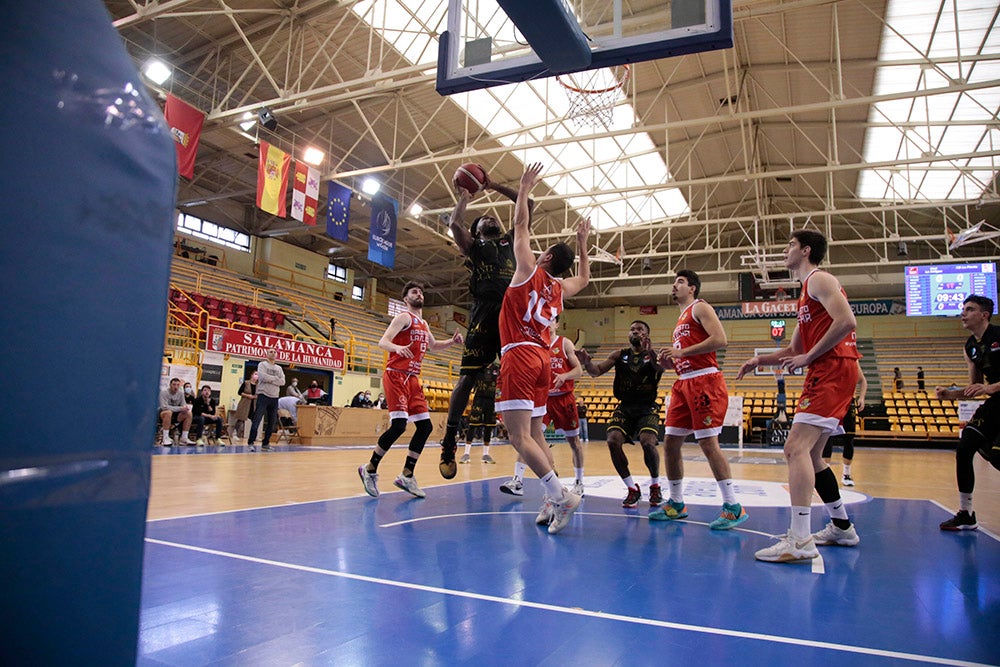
[(669, 511), (730, 517)]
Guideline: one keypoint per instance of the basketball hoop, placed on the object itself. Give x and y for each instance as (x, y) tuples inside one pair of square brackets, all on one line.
[(593, 94)]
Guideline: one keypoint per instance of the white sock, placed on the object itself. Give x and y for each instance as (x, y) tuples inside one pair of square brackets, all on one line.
[(166, 433), (553, 489), (836, 509), (801, 523), (728, 490), (629, 482), (579, 474), (965, 502), (676, 490), (847, 469), (486, 449), (184, 435), (519, 469), (468, 448)]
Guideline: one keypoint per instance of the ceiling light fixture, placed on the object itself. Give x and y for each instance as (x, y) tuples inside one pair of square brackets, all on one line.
[(249, 120), (416, 210), (157, 71), (313, 156), (370, 186)]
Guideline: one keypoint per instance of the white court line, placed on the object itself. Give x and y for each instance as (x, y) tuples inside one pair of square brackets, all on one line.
[(818, 567), (576, 611)]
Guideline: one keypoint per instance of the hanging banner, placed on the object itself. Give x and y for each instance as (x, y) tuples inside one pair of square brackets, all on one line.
[(338, 210), (272, 179), (382, 234), (253, 345), (305, 194)]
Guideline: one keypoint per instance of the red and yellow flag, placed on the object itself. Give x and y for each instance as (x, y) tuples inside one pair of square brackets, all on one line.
[(272, 179)]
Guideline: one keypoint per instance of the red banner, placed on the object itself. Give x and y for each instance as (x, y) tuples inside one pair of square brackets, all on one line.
[(770, 307), (648, 310), (185, 127), (255, 345)]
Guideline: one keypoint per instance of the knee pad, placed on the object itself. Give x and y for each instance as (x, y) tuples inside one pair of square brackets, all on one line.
[(396, 427), (423, 427), (973, 441)]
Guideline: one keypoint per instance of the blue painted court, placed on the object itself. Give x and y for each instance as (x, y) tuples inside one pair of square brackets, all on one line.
[(465, 577)]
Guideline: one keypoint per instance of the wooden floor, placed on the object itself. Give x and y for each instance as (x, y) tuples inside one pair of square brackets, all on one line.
[(197, 483)]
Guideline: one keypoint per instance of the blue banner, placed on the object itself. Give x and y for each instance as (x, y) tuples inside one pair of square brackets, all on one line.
[(382, 236), (338, 210)]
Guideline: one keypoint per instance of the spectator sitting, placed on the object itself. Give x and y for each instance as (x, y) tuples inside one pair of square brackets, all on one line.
[(174, 409), (380, 402), (291, 403), (359, 400), (204, 409), (314, 394), (293, 389), (188, 393)]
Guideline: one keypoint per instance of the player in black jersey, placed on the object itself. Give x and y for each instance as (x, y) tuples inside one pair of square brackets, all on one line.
[(483, 416), (982, 433), (490, 258), (637, 379)]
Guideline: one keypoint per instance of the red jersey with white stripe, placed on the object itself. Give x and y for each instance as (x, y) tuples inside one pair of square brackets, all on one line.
[(560, 365), (689, 332), (814, 322), (416, 336), (528, 309)]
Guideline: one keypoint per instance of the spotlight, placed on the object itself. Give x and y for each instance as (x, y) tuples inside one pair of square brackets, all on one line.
[(901, 249), (156, 71), (249, 120), (313, 156), (267, 119), (416, 210), (370, 186)]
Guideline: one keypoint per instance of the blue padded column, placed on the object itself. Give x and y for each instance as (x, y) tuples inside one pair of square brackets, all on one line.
[(88, 189), (552, 31)]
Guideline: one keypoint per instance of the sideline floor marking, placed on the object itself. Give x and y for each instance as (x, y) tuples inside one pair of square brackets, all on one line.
[(576, 611)]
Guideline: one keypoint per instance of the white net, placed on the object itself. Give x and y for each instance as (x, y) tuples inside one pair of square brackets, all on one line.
[(593, 94)]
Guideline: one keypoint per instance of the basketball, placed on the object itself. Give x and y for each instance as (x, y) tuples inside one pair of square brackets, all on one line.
[(470, 177)]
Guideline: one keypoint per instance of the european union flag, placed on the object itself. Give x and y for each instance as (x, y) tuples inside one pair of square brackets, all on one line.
[(338, 210)]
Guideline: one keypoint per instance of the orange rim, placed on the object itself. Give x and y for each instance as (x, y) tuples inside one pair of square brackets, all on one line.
[(588, 91)]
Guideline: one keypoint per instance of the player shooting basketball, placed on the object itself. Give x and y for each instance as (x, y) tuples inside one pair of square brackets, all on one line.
[(490, 256)]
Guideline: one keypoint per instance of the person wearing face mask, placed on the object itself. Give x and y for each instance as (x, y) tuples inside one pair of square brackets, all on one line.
[(248, 394), (293, 389), (204, 409), (188, 393), (314, 394)]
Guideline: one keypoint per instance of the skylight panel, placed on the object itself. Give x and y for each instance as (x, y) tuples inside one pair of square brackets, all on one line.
[(918, 30)]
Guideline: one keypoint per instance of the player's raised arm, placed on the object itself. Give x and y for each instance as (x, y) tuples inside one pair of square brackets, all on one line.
[(523, 255), (463, 239), (576, 284)]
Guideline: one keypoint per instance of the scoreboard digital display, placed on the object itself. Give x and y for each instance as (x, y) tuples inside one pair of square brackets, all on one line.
[(940, 289), (777, 330)]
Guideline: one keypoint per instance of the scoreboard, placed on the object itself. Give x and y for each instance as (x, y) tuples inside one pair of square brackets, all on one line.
[(940, 289)]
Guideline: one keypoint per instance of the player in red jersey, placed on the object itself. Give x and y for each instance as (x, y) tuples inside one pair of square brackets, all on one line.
[(534, 298), (560, 411), (406, 339), (698, 402), (824, 340)]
